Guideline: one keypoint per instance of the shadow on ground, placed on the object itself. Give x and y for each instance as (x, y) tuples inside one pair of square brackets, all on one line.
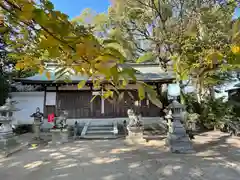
[(217, 157)]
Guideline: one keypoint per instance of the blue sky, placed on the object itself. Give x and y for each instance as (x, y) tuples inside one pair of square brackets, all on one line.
[(237, 13), (73, 8)]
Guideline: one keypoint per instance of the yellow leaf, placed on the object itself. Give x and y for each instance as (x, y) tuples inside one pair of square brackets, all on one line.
[(19, 66), (235, 49), (81, 49), (89, 47), (105, 61), (81, 84), (27, 11), (41, 69), (48, 75), (214, 57)]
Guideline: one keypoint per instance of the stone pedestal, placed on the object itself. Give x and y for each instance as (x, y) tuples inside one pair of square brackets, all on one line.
[(178, 140), (9, 145), (59, 136), (135, 135), (37, 139), (64, 136), (55, 136)]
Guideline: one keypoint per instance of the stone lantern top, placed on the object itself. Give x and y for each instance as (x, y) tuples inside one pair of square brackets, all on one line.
[(8, 106), (176, 105), (37, 114)]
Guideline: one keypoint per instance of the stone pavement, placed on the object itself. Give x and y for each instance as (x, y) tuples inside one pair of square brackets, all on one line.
[(217, 158)]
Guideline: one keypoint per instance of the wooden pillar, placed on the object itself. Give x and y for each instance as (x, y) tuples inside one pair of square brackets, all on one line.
[(44, 101), (57, 103), (91, 103), (102, 101)]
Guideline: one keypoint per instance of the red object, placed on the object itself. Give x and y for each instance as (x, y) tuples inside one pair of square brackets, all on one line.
[(51, 117)]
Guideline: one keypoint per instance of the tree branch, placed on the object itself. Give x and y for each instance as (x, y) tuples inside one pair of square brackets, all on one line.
[(26, 23)]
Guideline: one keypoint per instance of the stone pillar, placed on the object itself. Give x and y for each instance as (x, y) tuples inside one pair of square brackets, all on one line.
[(37, 124), (177, 139)]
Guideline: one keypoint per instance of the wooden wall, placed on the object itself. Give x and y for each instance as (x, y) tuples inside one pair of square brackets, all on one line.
[(79, 105)]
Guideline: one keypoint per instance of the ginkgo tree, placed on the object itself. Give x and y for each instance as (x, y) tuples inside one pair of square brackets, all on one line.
[(193, 36), (36, 34)]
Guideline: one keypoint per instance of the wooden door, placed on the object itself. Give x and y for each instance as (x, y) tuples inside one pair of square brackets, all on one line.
[(76, 103)]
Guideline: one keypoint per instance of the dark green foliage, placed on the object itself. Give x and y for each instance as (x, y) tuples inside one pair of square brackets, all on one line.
[(4, 89), (213, 113), (24, 128)]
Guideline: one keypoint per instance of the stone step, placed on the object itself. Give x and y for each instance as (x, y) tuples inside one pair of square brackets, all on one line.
[(100, 128), (182, 149), (99, 136), (101, 123), (99, 131)]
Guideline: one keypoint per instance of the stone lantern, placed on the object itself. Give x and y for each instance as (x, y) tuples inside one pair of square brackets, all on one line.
[(60, 129), (8, 142), (37, 123), (177, 139)]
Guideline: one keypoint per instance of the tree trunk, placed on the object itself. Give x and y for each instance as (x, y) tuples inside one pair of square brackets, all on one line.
[(199, 93), (211, 92)]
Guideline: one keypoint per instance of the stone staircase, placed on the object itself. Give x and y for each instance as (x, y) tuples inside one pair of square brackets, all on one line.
[(100, 130)]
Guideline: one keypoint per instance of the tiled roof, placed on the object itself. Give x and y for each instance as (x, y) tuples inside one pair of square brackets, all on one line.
[(146, 72)]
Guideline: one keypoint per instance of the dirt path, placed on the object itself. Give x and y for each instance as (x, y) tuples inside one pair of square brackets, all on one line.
[(217, 157)]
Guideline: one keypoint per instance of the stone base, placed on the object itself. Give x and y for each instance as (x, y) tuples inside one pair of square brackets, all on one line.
[(179, 144), (135, 137), (9, 146), (64, 136), (177, 139), (59, 136)]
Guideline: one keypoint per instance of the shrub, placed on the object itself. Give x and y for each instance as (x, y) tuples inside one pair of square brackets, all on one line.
[(213, 113), (23, 128)]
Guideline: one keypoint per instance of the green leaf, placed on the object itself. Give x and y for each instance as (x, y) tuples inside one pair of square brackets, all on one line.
[(141, 92), (114, 74), (155, 100), (49, 5), (116, 53), (166, 11), (236, 28), (152, 95), (146, 57), (40, 16), (81, 84), (107, 94), (93, 98), (116, 48), (129, 72)]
